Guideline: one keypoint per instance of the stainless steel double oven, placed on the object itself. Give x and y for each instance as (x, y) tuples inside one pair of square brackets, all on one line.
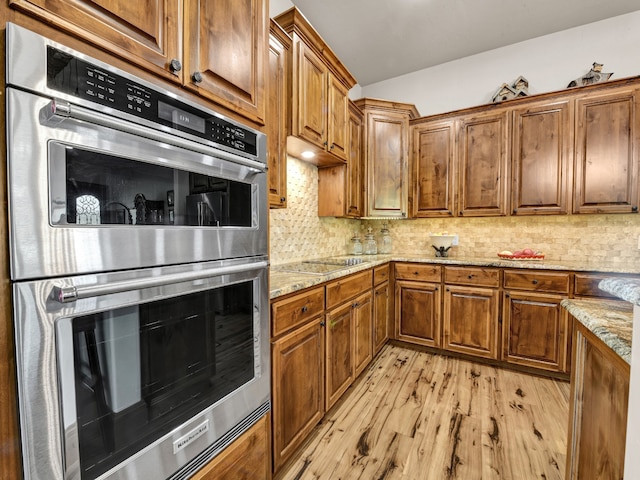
[(138, 237)]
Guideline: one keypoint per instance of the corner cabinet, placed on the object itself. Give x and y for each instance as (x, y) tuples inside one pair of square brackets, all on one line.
[(227, 65), (276, 128), (386, 156), (607, 156), (319, 96)]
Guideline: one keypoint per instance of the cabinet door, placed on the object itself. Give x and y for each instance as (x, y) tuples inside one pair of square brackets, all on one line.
[(309, 116), (380, 316), (483, 153), (418, 312), (337, 120), (470, 321), (278, 116), (606, 158), (597, 410), (226, 51), (248, 458), (534, 330), (433, 170), (297, 389), (355, 170), (387, 164), (363, 332), (340, 351), (147, 33), (541, 157)]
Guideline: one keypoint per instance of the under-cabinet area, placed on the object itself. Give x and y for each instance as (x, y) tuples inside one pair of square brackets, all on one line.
[(484, 323)]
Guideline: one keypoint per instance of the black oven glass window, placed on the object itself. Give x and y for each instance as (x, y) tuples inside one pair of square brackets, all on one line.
[(143, 370), (101, 189)]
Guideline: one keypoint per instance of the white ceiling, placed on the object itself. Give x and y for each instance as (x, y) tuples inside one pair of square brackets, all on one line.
[(382, 39)]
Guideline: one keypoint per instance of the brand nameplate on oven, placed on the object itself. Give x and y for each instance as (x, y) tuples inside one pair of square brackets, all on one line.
[(190, 437)]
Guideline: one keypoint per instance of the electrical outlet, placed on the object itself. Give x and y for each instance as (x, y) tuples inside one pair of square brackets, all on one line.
[(456, 239), (638, 242)]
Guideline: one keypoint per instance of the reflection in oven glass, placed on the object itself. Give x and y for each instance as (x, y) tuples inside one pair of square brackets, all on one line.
[(143, 370)]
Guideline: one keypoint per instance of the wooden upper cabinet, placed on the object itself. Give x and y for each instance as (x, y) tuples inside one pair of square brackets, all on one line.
[(542, 137), (319, 97), (606, 157), (225, 53), (355, 167), (146, 32), (278, 92), (433, 169), (483, 154), (386, 156)]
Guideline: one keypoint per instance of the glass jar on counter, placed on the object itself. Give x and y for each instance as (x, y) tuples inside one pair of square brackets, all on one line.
[(356, 245), (370, 244), (385, 240)]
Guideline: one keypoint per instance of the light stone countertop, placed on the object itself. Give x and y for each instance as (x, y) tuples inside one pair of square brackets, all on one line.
[(283, 282), (609, 320), (625, 288)]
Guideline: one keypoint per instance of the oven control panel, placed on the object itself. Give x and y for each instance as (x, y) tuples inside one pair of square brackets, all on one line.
[(79, 78)]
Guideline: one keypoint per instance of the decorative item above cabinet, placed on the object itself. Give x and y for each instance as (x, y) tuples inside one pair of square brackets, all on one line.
[(320, 102), (227, 65)]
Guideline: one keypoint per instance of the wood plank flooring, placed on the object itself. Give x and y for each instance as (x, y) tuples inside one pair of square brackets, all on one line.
[(419, 416)]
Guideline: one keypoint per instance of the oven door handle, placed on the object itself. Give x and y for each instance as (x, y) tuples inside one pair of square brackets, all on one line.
[(71, 294), (56, 111)]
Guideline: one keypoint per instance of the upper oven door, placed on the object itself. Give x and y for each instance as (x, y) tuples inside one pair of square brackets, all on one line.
[(92, 193)]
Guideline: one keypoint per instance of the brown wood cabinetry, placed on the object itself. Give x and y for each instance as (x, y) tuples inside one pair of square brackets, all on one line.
[(606, 157), (277, 126), (471, 311), (483, 150), (534, 325), (217, 49), (298, 371), (418, 302), (340, 352), (340, 192), (247, 458), (597, 409), (386, 156), (380, 307), (586, 285), (363, 332), (542, 137), (320, 85), (433, 169)]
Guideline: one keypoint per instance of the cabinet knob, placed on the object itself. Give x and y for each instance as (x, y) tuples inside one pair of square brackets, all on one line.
[(535, 282), (325, 143), (356, 305), (322, 323), (283, 199), (507, 295), (196, 77), (469, 277), (175, 65), (460, 213), (634, 208), (304, 309), (332, 145)]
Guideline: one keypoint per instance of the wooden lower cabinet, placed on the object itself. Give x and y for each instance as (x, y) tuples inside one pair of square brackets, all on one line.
[(598, 410), (297, 387), (363, 332), (534, 330), (418, 312), (340, 347), (380, 316), (471, 320), (248, 458)]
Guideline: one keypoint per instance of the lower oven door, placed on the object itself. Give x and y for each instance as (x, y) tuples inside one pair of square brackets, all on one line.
[(139, 375)]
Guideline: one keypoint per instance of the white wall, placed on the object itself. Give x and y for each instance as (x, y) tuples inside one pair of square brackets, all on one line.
[(549, 63)]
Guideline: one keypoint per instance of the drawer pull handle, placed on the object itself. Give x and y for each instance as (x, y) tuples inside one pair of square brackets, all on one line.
[(469, 277), (304, 309), (535, 282), (356, 305)]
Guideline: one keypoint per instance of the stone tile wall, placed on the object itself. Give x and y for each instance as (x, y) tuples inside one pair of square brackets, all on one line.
[(297, 233)]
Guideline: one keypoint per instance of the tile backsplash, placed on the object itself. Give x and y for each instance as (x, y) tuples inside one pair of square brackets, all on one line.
[(298, 233)]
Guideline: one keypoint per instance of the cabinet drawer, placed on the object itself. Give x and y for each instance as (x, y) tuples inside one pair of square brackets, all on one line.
[(295, 311), (343, 289), (418, 271), (587, 286), (380, 274), (485, 277), (537, 281)]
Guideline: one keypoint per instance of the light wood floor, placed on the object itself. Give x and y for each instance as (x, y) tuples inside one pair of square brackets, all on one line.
[(415, 415)]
